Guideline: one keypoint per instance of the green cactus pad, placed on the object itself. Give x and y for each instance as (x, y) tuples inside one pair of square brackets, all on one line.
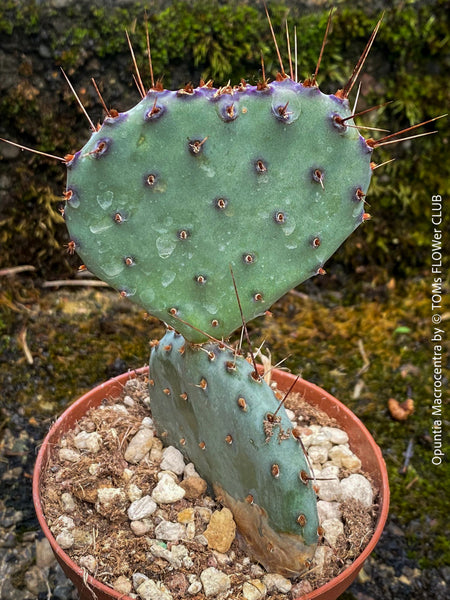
[(166, 197), (206, 402)]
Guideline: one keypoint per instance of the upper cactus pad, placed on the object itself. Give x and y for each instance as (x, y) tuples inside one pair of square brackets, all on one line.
[(164, 198)]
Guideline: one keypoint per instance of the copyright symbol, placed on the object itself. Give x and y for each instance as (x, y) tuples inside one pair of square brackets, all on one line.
[(436, 318)]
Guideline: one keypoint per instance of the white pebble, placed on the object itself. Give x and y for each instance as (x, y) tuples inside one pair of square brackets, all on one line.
[(68, 503), (140, 528), (110, 495), (332, 528), (147, 422), (133, 492), (194, 588), (151, 590), (328, 510), (189, 471), (128, 401), (335, 435), (290, 414), (63, 522), (139, 445), (69, 455), (167, 491), (357, 487), (169, 532), (322, 558), (277, 583), (122, 585), (317, 438), (214, 582), (65, 539), (328, 484), (88, 562), (91, 442), (142, 508), (254, 590), (318, 454), (342, 456), (172, 460)]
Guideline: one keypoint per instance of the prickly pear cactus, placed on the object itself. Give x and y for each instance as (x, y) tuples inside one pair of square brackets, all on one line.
[(165, 198), (207, 402)]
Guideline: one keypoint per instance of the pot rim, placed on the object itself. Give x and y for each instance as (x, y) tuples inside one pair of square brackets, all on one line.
[(117, 383)]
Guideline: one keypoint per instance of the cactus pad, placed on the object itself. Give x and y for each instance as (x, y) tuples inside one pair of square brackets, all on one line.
[(206, 402), (164, 198)]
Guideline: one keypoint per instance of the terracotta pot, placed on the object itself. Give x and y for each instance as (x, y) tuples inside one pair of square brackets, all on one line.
[(361, 442)]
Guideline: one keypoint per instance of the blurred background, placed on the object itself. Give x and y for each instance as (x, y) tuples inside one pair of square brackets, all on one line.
[(362, 332)]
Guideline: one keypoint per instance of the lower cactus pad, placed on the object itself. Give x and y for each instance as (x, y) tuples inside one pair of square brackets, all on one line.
[(208, 403)]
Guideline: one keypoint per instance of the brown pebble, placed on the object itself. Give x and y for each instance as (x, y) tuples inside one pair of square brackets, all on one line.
[(194, 487), (177, 584), (221, 530)]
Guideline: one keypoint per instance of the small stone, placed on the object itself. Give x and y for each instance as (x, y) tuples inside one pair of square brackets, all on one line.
[(277, 583), (191, 530), (186, 516), (128, 401), (82, 537), (65, 539), (341, 456), (290, 414), (221, 530), (321, 558), (142, 527), (127, 475), (167, 491), (317, 438), (357, 487), (254, 590), (122, 585), (91, 442), (178, 584), (160, 551), (328, 484), (204, 513), (335, 435), (151, 590), (168, 531), (62, 522), (88, 562), (68, 503), (69, 455), (139, 445), (141, 509), (133, 492), (333, 528), (147, 422), (328, 510), (138, 578), (256, 571), (214, 582), (194, 588), (172, 460), (94, 469), (318, 454), (111, 502), (189, 471), (300, 589), (194, 487)]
